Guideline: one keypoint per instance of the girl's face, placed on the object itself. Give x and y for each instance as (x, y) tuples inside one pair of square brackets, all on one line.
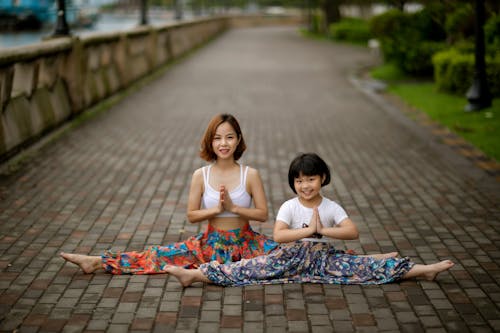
[(308, 187), (225, 141)]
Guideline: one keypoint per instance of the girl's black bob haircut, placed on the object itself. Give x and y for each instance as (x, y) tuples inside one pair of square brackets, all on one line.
[(308, 164)]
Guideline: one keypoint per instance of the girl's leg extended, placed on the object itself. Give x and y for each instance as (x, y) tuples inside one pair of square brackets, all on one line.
[(347, 269), (381, 255), (429, 272), (187, 276), (339, 268), (279, 266)]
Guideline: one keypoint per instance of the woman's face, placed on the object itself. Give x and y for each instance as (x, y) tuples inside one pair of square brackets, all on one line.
[(225, 141)]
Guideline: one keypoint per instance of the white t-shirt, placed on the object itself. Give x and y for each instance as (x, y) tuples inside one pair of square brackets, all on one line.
[(297, 216)]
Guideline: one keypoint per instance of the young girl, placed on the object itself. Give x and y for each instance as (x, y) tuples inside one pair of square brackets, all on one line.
[(221, 193), (306, 223)]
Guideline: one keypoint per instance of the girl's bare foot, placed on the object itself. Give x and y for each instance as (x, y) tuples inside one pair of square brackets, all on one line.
[(186, 276), (435, 269), (88, 264)]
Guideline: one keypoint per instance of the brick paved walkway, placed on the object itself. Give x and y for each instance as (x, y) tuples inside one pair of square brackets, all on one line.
[(121, 180)]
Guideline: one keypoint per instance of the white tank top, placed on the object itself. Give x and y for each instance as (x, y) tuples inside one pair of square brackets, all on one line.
[(239, 195)]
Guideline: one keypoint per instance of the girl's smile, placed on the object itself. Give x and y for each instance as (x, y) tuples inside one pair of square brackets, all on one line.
[(308, 189)]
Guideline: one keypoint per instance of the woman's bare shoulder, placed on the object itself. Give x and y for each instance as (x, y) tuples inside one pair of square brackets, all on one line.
[(198, 174), (253, 174)]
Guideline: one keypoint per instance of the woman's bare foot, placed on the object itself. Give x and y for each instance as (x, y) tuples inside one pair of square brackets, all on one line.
[(383, 255), (186, 276), (435, 269), (88, 264)]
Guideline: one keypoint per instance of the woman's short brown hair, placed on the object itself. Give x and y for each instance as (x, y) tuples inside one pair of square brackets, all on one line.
[(207, 152)]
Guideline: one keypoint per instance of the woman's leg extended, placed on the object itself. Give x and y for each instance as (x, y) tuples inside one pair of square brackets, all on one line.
[(211, 245), (429, 272), (150, 261), (88, 264), (153, 260)]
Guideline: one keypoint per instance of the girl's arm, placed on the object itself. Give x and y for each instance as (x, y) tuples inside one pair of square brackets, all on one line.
[(283, 234), (194, 213), (345, 230), (254, 186)]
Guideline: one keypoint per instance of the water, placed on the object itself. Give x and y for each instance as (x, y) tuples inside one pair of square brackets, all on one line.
[(106, 22)]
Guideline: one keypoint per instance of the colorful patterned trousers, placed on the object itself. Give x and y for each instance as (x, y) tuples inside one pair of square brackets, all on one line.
[(312, 262), (212, 245)]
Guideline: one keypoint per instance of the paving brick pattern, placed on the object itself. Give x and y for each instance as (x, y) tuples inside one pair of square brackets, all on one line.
[(121, 180)]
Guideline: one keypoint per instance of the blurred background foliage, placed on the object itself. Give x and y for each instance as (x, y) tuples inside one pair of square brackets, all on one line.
[(434, 39)]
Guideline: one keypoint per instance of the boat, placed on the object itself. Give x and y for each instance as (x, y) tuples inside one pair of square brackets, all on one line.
[(24, 14), (36, 14)]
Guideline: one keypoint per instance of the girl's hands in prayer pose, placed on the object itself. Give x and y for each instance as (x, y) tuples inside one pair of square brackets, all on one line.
[(317, 222)]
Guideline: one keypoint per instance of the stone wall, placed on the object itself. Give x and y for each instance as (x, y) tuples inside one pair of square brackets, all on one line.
[(46, 84)]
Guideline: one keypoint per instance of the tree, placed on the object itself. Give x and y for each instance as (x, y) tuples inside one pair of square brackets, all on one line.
[(331, 10)]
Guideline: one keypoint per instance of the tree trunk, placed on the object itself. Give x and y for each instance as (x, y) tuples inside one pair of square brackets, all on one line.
[(400, 4), (332, 11)]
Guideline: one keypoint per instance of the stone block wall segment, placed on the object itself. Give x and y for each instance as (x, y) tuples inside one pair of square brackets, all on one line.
[(25, 78)]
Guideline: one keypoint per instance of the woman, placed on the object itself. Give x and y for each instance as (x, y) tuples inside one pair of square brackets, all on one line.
[(220, 193)]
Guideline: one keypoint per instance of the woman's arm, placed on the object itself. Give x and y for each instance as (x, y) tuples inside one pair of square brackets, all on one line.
[(254, 186), (194, 213), (345, 230)]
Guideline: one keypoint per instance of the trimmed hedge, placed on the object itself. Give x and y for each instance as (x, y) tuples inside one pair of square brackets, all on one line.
[(351, 30), (454, 71)]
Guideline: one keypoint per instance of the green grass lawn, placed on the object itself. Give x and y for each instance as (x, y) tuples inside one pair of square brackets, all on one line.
[(481, 128)]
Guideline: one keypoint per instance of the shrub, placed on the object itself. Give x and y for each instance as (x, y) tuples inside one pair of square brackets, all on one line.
[(351, 29), (429, 22), (454, 71), (492, 35), (459, 23), (391, 29), (409, 40), (418, 58), (384, 24)]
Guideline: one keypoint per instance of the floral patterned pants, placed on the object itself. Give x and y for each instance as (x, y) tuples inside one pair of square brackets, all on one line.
[(212, 245), (312, 262)]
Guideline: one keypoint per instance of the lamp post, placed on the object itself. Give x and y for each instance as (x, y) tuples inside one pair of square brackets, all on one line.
[(478, 95), (309, 15), (144, 13), (62, 28)]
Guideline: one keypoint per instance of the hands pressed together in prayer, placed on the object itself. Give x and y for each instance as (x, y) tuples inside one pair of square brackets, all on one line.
[(225, 202), (315, 224)]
